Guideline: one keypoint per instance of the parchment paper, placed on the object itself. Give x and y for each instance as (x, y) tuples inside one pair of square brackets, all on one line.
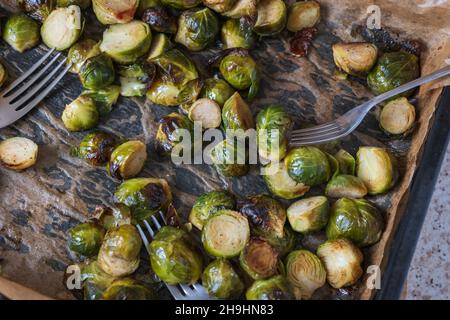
[(38, 206)]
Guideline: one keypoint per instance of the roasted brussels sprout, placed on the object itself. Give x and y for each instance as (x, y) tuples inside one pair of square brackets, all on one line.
[(38, 9), (242, 8), (127, 160), (308, 165), (135, 79), (104, 98), (174, 257), (355, 219), (181, 4), (334, 165), (236, 114), (309, 214), (110, 218), (376, 168), (221, 281), (280, 183), (144, 196), (119, 253), (272, 16), (207, 112), (125, 43), (160, 44), (356, 58), (259, 259), (273, 125), (397, 116), (275, 288), (83, 4), (238, 33), (239, 69), (164, 93), (225, 234), (216, 89), (80, 115), (176, 67), (62, 28), (96, 147), (303, 15), (285, 244), (219, 5), (305, 272), (128, 289), (80, 52), (21, 32), (347, 162), (3, 75), (18, 153), (392, 70), (115, 11), (342, 260), (95, 280), (160, 20), (168, 134), (345, 185), (97, 72), (228, 160), (85, 239)]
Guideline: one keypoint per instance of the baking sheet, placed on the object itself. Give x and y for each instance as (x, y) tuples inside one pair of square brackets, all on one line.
[(39, 205)]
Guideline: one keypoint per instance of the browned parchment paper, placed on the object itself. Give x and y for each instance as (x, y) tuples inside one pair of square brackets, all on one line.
[(38, 206)]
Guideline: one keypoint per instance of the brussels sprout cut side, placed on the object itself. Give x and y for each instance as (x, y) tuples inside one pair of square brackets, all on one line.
[(127, 160), (345, 185), (242, 8), (309, 214), (207, 112), (236, 114), (221, 281), (96, 148), (272, 16), (160, 44), (115, 11), (21, 32), (305, 14), (217, 90), (18, 153), (128, 289), (275, 288), (259, 259), (355, 58), (397, 116), (85, 239), (238, 33), (83, 4), (80, 115)]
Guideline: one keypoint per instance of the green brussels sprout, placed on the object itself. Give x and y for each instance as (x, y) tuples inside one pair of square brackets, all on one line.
[(309, 214), (3, 75), (21, 32), (356, 58), (104, 98), (308, 165), (96, 147), (305, 272), (302, 15), (397, 117), (259, 259), (219, 5), (83, 4), (85, 239), (272, 17), (125, 43), (208, 204), (242, 8), (144, 196), (376, 168), (228, 160), (119, 253), (160, 44), (174, 257), (176, 67), (128, 289), (181, 4), (285, 244), (221, 281), (168, 134), (146, 4), (80, 52), (280, 183), (164, 93), (115, 11), (273, 125), (62, 28), (236, 114), (275, 288), (342, 261), (206, 112), (127, 160), (239, 69), (225, 234), (334, 165), (80, 115), (94, 280), (392, 70), (97, 72), (347, 162), (135, 79), (355, 219), (38, 9), (345, 185), (238, 33), (216, 89), (110, 218), (160, 20)]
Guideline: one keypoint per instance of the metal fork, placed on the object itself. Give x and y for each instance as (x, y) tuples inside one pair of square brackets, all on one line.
[(22, 95), (349, 121), (181, 291)]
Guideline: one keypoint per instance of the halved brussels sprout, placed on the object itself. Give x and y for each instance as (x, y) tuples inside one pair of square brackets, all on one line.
[(168, 134), (285, 244), (160, 44), (355, 219), (275, 288), (160, 20), (308, 165), (181, 4), (176, 67), (334, 165), (104, 98), (397, 116), (119, 253), (208, 204), (207, 112), (111, 218), (125, 43), (216, 89), (309, 214), (225, 234), (221, 281), (174, 257), (273, 125), (96, 147), (38, 9), (219, 5), (238, 33), (347, 162), (236, 114), (376, 168), (85, 239), (345, 185), (97, 72), (127, 160), (259, 259), (303, 15), (242, 8), (80, 52), (144, 196), (228, 160), (272, 16), (95, 280), (197, 28), (128, 289), (164, 93), (21, 32), (83, 4), (80, 115), (280, 183), (18, 153), (135, 79), (62, 28), (305, 272), (355, 58), (342, 260), (3, 75), (392, 70), (115, 11)]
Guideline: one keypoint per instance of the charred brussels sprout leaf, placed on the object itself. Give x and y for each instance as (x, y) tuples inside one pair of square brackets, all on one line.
[(21, 32), (95, 280), (115, 11), (97, 72), (275, 288), (221, 281), (217, 90), (397, 117), (347, 162), (174, 257), (238, 33), (160, 20), (309, 214), (236, 114), (80, 115), (83, 4), (160, 44), (219, 5), (176, 67), (242, 8), (228, 160), (128, 289), (80, 52), (3, 75), (345, 185), (308, 165), (127, 160), (85, 239), (39, 9), (302, 15), (96, 147), (259, 259), (355, 58), (208, 204), (104, 98), (135, 79), (181, 4), (169, 132), (272, 16)]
